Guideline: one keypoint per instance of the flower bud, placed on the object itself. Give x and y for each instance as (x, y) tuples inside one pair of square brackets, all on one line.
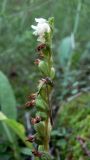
[(35, 120), (30, 138), (37, 61), (30, 103), (36, 153), (49, 81), (40, 47), (32, 96), (38, 119)]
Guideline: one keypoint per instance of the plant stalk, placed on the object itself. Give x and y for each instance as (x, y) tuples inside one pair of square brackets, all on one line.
[(46, 141)]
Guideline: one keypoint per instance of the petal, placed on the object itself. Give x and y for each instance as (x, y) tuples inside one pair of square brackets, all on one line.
[(41, 39), (35, 33), (47, 27), (40, 20), (42, 28), (33, 27)]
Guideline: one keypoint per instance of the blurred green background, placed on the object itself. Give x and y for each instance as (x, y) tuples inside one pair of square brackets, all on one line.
[(17, 44), (71, 54)]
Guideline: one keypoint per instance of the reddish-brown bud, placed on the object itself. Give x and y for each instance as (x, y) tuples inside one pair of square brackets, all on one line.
[(36, 153), (49, 81), (30, 103), (35, 120), (32, 96), (30, 138), (38, 119), (37, 61), (40, 47)]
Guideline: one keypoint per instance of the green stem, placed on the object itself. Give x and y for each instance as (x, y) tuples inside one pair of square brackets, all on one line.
[(77, 18), (49, 62), (47, 137), (46, 141), (36, 158), (47, 134)]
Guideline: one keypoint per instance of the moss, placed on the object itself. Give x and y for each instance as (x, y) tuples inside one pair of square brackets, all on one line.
[(74, 116)]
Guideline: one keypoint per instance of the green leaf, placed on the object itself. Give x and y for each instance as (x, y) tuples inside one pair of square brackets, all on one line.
[(19, 130), (26, 151), (5, 156), (2, 116), (6, 130), (16, 127), (7, 99), (65, 50), (9, 135)]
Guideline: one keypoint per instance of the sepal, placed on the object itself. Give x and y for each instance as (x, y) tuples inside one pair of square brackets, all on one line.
[(43, 115), (40, 128), (52, 73), (45, 156), (43, 66), (41, 105)]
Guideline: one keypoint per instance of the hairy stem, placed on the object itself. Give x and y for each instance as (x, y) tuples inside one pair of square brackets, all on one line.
[(46, 141)]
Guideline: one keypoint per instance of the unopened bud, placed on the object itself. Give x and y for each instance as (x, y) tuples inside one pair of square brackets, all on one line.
[(35, 120), (49, 81), (38, 119), (30, 138), (30, 103), (36, 153), (37, 61), (32, 96), (40, 47)]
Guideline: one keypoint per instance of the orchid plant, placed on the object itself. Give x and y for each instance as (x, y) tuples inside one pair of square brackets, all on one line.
[(41, 100)]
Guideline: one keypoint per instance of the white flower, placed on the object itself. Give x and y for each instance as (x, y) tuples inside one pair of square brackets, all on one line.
[(40, 20), (41, 28)]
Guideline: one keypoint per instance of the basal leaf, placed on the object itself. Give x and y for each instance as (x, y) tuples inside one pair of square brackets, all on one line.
[(7, 99), (65, 50), (16, 127)]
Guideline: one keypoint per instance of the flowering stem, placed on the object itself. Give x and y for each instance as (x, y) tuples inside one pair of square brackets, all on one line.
[(46, 141), (43, 119)]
